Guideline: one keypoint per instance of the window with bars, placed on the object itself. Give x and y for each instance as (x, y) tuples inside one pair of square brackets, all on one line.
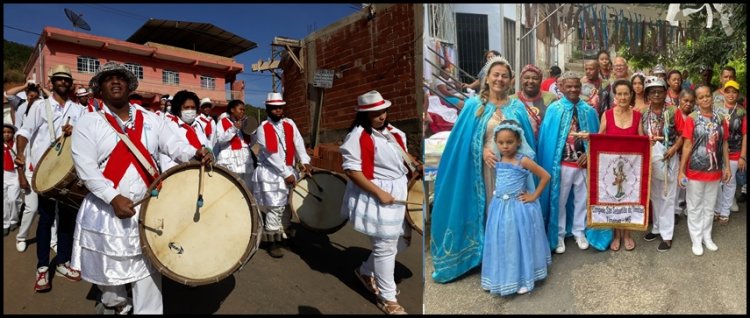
[(527, 44), (208, 82), (170, 77), (473, 40), (136, 69), (88, 65)]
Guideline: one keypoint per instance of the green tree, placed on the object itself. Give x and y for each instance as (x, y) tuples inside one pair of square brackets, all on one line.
[(15, 57)]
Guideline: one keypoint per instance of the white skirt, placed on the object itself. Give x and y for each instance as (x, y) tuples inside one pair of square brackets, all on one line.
[(369, 216), (269, 188), (107, 249)]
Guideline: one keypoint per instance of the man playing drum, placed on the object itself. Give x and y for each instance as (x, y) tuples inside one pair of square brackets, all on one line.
[(107, 247), (47, 120), (281, 148)]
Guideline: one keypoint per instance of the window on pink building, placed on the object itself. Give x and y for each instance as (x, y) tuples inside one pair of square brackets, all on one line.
[(170, 77), (208, 82), (88, 65), (136, 69)]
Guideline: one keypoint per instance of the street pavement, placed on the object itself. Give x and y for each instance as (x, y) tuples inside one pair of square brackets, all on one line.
[(315, 277), (642, 281)]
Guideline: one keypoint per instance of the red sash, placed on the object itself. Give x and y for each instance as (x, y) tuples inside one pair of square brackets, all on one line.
[(367, 151), (192, 137), (121, 157), (7, 158), (236, 142), (208, 126), (272, 144)]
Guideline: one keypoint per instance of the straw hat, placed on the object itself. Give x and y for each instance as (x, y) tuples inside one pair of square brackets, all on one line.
[(371, 101)]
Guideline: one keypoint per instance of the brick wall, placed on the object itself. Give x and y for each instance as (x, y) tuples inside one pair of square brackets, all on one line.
[(367, 54)]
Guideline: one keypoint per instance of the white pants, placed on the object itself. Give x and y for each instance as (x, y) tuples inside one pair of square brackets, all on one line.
[(147, 298), (31, 205), (726, 191), (381, 264), (663, 200), (575, 179), (701, 197), (11, 195), (277, 218)]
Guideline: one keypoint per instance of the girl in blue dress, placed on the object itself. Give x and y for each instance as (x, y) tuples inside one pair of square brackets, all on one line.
[(516, 252)]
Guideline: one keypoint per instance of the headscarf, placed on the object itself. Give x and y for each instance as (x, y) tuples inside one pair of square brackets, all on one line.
[(531, 68)]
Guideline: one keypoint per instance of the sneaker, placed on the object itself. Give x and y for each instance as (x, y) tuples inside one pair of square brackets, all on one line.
[(64, 270), (734, 207), (522, 290), (710, 245), (21, 246), (275, 250), (42, 280), (650, 236), (582, 242), (560, 246), (664, 246), (697, 249)]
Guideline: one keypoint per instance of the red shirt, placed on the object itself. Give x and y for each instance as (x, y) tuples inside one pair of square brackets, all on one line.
[(546, 83)]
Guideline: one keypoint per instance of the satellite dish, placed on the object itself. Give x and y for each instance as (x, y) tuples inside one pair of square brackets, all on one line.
[(77, 20)]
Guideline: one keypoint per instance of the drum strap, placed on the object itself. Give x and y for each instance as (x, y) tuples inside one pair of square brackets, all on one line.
[(410, 162), (50, 125), (136, 151)]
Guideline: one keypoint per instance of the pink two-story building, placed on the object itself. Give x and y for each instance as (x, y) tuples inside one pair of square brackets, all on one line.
[(166, 56)]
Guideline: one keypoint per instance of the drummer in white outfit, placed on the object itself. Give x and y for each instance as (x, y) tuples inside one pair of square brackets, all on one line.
[(231, 148), (281, 149), (204, 111), (11, 190), (375, 166), (182, 120), (107, 247)]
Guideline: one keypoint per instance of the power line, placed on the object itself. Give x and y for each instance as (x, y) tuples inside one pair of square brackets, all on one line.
[(17, 29), (117, 11)]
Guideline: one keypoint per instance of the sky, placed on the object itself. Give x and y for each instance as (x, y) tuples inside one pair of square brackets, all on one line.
[(259, 23)]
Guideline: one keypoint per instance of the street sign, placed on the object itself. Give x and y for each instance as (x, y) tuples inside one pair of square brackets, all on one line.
[(323, 79)]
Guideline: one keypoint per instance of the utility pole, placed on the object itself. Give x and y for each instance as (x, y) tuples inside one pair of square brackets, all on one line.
[(517, 62)]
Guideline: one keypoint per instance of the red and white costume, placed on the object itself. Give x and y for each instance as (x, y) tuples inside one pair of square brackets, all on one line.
[(107, 249), (232, 149), (193, 134)]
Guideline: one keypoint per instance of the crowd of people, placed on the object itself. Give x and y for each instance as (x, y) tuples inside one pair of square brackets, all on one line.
[(119, 148), (520, 164)]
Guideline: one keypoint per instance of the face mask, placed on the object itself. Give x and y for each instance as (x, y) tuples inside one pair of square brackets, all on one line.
[(188, 116)]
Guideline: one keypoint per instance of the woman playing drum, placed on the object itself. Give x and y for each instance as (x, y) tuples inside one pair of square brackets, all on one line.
[(372, 153)]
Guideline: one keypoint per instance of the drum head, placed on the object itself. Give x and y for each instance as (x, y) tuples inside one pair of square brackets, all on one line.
[(317, 203), (249, 126), (414, 203), (197, 246), (55, 166)]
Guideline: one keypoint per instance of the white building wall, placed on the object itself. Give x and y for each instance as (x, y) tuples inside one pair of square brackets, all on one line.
[(494, 13)]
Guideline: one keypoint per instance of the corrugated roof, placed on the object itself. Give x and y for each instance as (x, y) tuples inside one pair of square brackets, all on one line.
[(202, 37)]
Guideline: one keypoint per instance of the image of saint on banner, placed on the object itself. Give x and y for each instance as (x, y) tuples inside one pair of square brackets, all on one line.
[(619, 179)]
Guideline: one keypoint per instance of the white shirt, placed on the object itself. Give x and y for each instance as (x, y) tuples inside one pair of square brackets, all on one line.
[(36, 130), (277, 161), (389, 164), (94, 140), (212, 124), (165, 161)]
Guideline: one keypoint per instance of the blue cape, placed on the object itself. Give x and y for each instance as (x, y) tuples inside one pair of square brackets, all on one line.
[(552, 135), (458, 214)]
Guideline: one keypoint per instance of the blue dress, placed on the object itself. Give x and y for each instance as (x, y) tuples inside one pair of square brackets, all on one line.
[(516, 252)]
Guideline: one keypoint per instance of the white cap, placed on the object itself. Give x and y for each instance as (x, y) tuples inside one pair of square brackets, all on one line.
[(206, 100)]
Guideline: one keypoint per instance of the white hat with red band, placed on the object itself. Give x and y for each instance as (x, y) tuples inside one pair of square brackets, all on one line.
[(371, 101), (275, 99)]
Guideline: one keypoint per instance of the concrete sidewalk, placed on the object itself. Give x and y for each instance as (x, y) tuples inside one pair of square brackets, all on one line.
[(642, 281)]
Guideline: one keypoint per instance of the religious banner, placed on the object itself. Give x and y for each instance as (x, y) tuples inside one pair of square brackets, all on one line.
[(619, 179)]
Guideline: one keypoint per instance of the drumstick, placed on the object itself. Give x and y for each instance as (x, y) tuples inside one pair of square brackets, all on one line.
[(403, 202), (316, 182), (312, 194), (200, 187), (141, 201), (58, 147)]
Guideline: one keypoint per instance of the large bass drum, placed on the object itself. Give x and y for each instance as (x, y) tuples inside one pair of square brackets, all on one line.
[(414, 204), (55, 175), (316, 201), (197, 245)]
